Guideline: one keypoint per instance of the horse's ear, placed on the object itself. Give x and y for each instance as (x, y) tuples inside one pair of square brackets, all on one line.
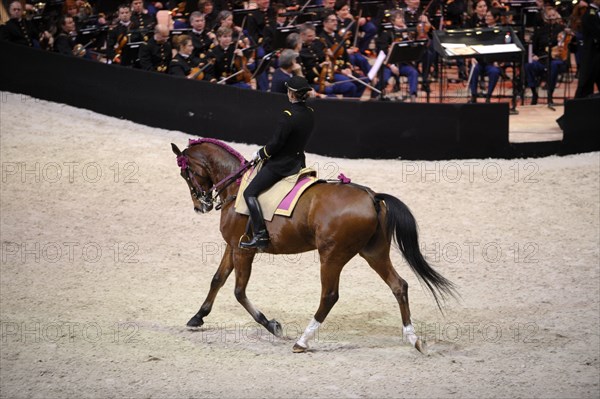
[(175, 149)]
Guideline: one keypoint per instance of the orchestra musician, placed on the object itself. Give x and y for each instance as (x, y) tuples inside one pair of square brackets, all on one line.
[(288, 68), (118, 37), (184, 62), (484, 67), (202, 38), (345, 18), (21, 31), (340, 61), (228, 59), (141, 19), (256, 22), (66, 40), (155, 54), (347, 25), (398, 33), (415, 16), (544, 39), (316, 66)]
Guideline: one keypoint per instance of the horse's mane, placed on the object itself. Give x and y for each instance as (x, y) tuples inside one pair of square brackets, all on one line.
[(219, 144)]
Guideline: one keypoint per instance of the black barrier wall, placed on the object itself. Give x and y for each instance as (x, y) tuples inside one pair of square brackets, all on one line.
[(344, 128)]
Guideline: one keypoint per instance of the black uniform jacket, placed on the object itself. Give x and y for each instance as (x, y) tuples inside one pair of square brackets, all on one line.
[(285, 150)]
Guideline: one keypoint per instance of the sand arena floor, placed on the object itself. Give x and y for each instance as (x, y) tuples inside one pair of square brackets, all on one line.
[(103, 262)]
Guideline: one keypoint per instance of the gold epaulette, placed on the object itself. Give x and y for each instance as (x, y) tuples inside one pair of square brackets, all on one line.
[(288, 112)]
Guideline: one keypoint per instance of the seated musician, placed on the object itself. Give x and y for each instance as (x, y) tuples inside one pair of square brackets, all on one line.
[(19, 30), (202, 38), (543, 55), (398, 33), (283, 156), (341, 62), (118, 37), (288, 68), (225, 19), (184, 61), (207, 8), (368, 28), (347, 25), (156, 54), (477, 20), (313, 61), (229, 60), (270, 29), (483, 67), (141, 20), (66, 40), (415, 17)]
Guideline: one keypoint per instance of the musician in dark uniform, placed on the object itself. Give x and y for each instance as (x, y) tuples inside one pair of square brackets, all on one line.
[(485, 66), (589, 72), (66, 40), (155, 55), (202, 39), (222, 57), (19, 30), (477, 20), (288, 68), (544, 38), (118, 37), (283, 156), (140, 19), (414, 17), (399, 32), (256, 23), (184, 60)]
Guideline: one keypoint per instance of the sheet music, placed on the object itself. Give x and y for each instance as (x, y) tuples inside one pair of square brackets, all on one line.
[(496, 48)]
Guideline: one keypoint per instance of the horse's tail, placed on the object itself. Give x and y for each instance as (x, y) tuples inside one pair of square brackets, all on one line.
[(402, 226)]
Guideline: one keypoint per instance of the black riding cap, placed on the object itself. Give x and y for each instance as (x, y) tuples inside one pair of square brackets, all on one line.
[(298, 84)]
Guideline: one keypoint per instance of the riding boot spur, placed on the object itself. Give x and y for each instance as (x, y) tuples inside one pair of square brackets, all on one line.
[(260, 236)]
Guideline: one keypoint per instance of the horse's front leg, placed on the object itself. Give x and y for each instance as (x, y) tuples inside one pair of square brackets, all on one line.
[(243, 268), (224, 270)]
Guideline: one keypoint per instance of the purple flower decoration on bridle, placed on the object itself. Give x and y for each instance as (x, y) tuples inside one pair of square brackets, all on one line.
[(182, 162)]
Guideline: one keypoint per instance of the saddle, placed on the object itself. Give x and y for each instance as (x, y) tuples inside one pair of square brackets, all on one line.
[(281, 198)]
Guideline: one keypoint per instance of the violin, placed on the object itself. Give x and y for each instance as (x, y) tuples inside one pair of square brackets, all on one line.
[(422, 27), (241, 61), (122, 41), (561, 50), (197, 73)]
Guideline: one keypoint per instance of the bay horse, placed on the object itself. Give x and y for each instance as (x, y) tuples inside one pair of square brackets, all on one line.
[(338, 220)]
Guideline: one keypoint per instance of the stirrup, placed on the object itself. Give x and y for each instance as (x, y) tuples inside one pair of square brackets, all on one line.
[(259, 241)]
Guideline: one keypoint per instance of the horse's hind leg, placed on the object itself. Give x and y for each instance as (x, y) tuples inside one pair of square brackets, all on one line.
[(381, 263), (243, 267), (224, 270)]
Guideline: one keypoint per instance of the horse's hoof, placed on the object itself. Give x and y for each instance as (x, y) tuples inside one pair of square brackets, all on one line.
[(298, 349), (195, 322), (420, 346), (275, 328)]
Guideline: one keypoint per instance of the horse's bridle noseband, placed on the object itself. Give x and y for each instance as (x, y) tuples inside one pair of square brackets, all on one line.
[(208, 197)]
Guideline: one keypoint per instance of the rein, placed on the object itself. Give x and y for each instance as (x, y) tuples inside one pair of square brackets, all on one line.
[(208, 197)]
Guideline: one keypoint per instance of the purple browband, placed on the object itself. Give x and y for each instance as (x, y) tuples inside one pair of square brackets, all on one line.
[(220, 144)]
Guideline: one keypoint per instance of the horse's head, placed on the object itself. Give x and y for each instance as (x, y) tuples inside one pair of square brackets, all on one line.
[(196, 175)]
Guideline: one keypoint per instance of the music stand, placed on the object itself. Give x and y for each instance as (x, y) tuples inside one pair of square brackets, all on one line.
[(239, 15), (130, 53), (281, 34), (405, 52), (264, 64), (370, 8)]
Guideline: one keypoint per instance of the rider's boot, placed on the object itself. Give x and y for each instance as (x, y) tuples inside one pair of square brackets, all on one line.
[(260, 237)]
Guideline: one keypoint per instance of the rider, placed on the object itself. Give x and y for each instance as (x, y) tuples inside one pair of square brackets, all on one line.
[(283, 155)]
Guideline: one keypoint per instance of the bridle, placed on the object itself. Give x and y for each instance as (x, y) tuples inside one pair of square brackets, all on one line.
[(208, 197)]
